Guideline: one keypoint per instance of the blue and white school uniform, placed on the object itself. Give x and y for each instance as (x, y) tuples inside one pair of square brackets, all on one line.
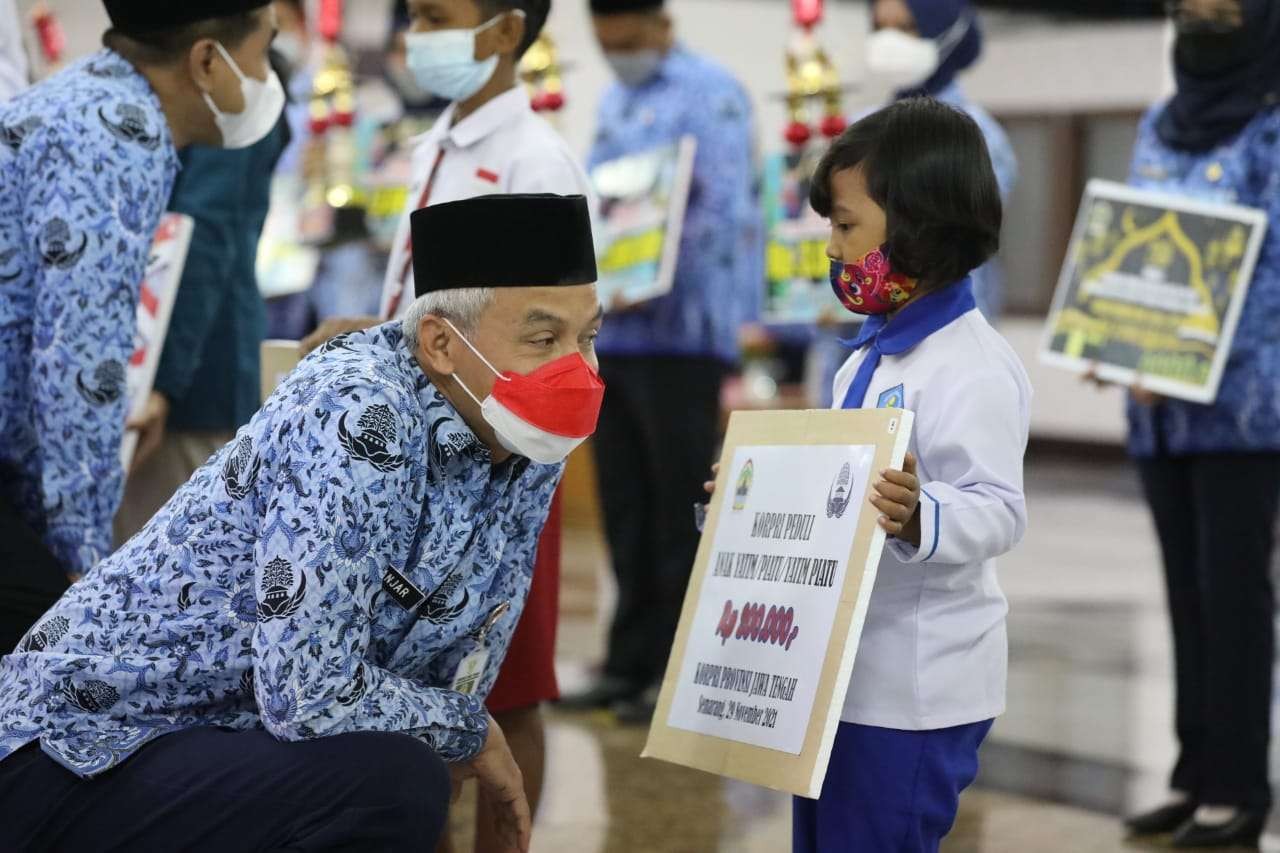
[(931, 668)]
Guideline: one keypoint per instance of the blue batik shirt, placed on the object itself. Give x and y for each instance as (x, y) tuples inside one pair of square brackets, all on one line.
[(719, 280), (86, 168), (1246, 415), (326, 572)]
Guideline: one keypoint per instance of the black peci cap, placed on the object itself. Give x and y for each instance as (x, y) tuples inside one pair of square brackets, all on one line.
[(618, 7), (149, 16), (503, 241)]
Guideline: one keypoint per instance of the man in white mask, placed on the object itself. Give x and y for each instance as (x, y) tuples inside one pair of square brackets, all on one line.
[(87, 165), (294, 653)]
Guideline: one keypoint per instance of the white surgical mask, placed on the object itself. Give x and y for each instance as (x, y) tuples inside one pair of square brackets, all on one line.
[(526, 439), (636, 67), (263, 104), (444, 62), (901, 60)]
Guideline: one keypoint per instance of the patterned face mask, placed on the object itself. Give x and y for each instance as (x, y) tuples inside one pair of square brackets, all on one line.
[(870, 285)]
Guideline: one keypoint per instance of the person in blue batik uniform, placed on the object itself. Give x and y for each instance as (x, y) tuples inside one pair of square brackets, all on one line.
[(920, 47), (665, 360), (287, 655), (1212, 472), (88, 160)]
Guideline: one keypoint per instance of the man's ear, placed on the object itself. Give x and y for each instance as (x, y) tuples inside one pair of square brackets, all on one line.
[(665, 28), (435, 340), (200, 61), (507, 35)]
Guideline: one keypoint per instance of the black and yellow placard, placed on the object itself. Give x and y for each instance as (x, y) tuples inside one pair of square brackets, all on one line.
[(642, 198), (1152, 289)]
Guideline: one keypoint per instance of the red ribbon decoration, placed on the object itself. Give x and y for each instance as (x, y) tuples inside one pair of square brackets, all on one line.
[(807, 13), (53, 40), (330, 24)]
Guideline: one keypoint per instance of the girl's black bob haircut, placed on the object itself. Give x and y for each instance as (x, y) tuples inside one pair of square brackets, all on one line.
[(927, 165)]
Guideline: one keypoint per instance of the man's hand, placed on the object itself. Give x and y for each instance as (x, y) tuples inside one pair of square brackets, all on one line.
[(898, 499), (150, 427), (496, 771), (333, 327)]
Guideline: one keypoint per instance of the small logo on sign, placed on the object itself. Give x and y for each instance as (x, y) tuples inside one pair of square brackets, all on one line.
[(743, 491), (400, 589), (838, 497)]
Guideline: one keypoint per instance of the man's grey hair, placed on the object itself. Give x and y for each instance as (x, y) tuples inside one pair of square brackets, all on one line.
[(461, 307)]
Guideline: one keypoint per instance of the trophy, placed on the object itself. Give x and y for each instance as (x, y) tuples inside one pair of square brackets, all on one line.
[(331, 174), (542, 74), (51, 36), (812, 80)]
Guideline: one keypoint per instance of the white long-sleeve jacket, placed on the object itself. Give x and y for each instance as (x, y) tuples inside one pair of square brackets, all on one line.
[(934, 651)]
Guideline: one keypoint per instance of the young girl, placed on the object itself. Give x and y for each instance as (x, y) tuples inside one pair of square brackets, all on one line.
[(914, 208)]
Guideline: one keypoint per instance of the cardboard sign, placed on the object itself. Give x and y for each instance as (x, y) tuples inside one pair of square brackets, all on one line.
[(279, 358), (778, 596), (797, 270), (1152, 289), (642, 205), (156, 298)]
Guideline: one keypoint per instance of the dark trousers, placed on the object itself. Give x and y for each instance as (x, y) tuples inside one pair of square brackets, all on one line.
[(1215, 515), (31, 579), (654, 446), (219, 790), (888, 791)]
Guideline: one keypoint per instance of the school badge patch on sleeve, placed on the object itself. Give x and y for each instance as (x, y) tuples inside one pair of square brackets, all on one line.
[(892, 399)]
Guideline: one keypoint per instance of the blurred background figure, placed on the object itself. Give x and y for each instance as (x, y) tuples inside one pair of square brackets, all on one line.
[(88, 166), (1212, 473), (664, 361), (13, 53), (209, 377)]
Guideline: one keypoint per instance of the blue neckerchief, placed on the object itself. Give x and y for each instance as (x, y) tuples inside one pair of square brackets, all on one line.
[(909, 327)]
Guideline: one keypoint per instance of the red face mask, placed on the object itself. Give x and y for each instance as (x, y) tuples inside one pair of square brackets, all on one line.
[(870, 285), (546, 414)]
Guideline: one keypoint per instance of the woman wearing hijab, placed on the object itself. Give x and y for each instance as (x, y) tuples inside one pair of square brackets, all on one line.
[(1211, 473), (920, 47)]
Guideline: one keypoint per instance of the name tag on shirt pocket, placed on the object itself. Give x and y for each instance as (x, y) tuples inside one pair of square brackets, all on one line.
[(402, 590)]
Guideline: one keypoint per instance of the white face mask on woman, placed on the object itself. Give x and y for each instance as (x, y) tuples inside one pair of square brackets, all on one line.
[(901, 60), (263, 104)]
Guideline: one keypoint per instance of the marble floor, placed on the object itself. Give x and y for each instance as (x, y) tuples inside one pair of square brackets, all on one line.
[(1087, 735)]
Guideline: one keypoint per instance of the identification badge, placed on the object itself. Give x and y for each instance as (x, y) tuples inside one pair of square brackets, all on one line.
[(473, 665), (470, 670)]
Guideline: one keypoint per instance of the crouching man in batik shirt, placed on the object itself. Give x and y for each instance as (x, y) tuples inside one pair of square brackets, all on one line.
[(297, 646)]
